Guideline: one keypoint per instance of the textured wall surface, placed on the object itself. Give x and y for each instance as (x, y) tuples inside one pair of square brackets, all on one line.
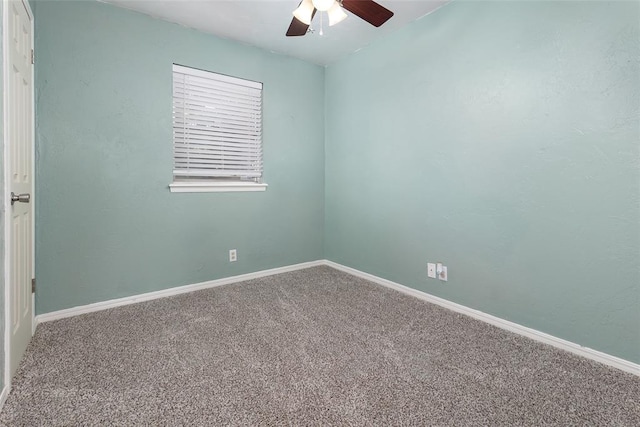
[(107, 225), (502, 139)]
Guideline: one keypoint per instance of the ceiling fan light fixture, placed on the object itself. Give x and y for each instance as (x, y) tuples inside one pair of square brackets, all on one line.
[(323, 5), (304, 12), (367, 10), (336, 14)]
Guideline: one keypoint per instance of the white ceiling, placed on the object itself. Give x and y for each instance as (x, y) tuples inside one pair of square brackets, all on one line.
[(263, 23)]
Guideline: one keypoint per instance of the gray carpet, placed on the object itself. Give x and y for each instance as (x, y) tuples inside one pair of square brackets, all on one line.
[(312, 347)]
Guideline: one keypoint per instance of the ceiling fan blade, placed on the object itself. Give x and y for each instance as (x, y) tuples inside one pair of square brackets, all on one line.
[(297, 27), (368, 10)]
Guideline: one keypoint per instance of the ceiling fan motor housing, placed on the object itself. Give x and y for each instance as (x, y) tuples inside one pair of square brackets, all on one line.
[(323, 5)]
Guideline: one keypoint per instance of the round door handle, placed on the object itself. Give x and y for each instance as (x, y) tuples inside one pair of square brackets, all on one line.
[(22, 198)]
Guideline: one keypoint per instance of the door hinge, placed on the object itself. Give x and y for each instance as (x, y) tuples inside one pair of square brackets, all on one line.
[(33, 285), (33, 57)]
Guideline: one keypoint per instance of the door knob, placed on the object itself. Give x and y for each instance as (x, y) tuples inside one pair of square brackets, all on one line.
[(22, 198)]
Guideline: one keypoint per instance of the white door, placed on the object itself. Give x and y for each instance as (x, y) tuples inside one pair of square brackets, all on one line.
[(19, 144)]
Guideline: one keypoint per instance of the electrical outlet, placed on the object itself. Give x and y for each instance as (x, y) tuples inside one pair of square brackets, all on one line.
[(233, 255), (444, 275), (431, 270), (441, 271)]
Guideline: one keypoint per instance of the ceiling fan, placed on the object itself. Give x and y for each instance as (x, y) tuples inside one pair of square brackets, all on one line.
[(368, 10)]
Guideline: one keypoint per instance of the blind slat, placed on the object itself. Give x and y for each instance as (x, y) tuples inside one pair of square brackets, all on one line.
[(190, 91), (222, 126), (192, 115), (216, 165), (182, 107), (221, 87), (215, 154), (208, 143), (188, 173), (219, 77), (184, 157), (185, 117), (212, 135)]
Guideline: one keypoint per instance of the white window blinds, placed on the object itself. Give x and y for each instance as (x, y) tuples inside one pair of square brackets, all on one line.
[(217, 126)]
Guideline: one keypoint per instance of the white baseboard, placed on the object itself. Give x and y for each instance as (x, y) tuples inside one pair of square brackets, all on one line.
[(589, 353), (4, 395), (560, 343), (104, 305)]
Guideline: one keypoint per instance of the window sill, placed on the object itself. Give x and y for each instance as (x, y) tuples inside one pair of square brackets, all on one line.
[(215, 187)]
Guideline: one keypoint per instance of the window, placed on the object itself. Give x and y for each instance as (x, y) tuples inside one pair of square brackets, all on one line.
[(217, 132)]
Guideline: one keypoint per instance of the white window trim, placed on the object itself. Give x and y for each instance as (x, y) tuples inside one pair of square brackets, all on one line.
[(215, 187)]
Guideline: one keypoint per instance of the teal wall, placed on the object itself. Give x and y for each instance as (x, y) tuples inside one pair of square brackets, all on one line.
[(502, 139), (106, 224)]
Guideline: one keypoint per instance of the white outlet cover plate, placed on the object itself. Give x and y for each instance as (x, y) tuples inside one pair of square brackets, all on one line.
[(431, 270), (444, 276)]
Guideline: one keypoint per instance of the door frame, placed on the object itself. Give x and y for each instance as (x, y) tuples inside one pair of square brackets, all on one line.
[(6, 190)]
